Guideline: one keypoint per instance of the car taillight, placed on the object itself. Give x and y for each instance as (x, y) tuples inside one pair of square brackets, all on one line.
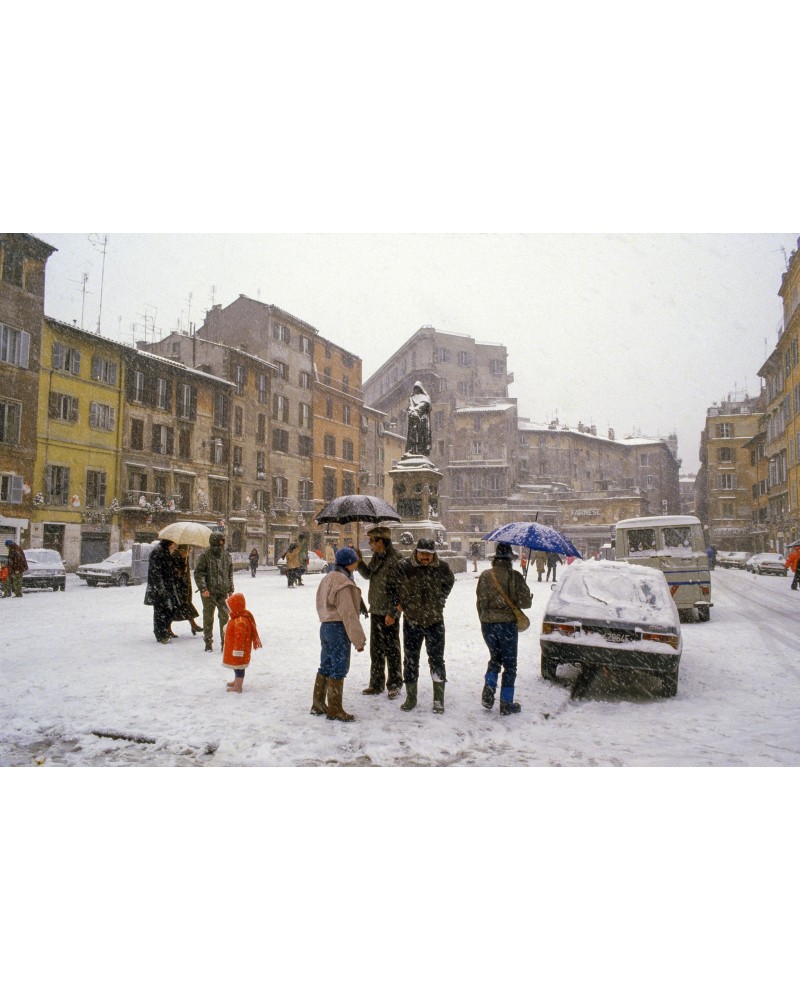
[(705, 590), (670, 640), (550, 627)]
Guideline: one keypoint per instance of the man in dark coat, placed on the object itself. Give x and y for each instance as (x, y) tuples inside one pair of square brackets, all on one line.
[(213, 575), (553, 559), (17, 564), (162, 589), (384, 634), (499, 625), (423, 586)]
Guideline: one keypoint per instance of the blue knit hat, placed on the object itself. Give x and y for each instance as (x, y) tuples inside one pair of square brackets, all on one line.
[(346, 556)]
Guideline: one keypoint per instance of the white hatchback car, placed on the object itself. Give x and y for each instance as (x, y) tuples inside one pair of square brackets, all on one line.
[(613, 615), (767, 562), (45, 570), (115, 571)]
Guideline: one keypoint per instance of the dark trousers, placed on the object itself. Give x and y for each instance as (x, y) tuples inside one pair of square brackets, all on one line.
[(162, 619), (550, 569), (413, 636), (218, 601), (334, 658), (501, 639), (384, 647)]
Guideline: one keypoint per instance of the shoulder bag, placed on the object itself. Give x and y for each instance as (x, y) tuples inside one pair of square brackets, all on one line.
[(523, 621)]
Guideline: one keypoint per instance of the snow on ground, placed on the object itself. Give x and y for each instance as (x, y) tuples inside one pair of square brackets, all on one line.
[(82, 666)]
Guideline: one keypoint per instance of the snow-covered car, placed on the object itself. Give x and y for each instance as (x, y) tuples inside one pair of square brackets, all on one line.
[(115, 571), (733, 560), (45, 570), (612, 614), (767, 562), (315, 564)]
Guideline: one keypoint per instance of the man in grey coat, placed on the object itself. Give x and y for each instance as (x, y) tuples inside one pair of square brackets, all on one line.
[(213, 575)]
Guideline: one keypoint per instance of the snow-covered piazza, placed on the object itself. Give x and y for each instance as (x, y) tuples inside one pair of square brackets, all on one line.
[(85, 683)]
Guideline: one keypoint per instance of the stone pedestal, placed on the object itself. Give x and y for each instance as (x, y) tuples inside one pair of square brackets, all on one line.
[(415, 497)]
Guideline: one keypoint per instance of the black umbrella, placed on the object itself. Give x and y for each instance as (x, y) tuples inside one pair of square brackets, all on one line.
[(357, 507)]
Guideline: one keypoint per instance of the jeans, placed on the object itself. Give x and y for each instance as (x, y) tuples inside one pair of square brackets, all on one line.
[(502, 639), (433, 635), (334, 659)]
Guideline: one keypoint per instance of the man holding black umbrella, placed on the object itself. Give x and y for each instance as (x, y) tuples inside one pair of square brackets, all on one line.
[(384, 636)]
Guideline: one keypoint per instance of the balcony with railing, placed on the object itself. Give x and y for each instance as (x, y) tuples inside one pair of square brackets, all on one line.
[(150, 502), (465, 455)]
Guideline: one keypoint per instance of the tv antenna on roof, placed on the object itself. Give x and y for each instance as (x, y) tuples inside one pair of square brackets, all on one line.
[(96, 242), (82, 283)]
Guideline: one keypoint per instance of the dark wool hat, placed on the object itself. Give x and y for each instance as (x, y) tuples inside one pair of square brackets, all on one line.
[(426, 545), (9, 541), (346, 556), (504, 551)]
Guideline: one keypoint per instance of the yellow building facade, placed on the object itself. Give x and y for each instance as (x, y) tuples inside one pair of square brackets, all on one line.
[(79, 429)]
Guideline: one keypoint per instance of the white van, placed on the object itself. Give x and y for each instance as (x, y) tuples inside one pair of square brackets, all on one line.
[(675, 545)]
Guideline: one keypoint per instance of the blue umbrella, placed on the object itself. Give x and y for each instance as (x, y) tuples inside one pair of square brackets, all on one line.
[(532, 535)]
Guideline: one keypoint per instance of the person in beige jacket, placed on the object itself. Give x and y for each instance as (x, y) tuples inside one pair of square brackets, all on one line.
[(338, 606)]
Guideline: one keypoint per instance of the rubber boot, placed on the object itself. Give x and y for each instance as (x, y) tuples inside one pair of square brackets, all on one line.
[(320, 689), (507, 704), (334, 709), (411, 697), (438, 697), (236, 685)]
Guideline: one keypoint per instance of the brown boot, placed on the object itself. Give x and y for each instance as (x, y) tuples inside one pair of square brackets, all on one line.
[(335, 710), (236, 685), (320, 689)]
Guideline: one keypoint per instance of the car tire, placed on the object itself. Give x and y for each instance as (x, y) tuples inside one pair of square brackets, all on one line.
[(56, 587), (122, 580), (703, 614), (669, 683), (549, 667), (91, 583)]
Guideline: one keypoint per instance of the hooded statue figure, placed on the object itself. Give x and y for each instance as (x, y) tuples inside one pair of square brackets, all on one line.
[(418, 439)]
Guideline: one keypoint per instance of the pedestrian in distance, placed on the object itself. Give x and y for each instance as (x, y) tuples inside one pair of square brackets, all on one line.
[(498, 589), (292, 557), (16, 566), (793, 563), (338, 606), (711, 552), (302, 545), (162, 591), (424, 583), (241, 638), (553, 559), (540, 558), (384, 635), (330, 557), (254, 559), (474, 553), (213, 575), (185, 610)]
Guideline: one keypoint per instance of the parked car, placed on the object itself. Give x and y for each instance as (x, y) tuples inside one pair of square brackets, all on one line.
[(733, 560), (45, 570), (315, 564), (115, 571), (767, 562), (612, 614)]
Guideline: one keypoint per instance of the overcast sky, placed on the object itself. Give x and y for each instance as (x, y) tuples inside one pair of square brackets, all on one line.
[(635, 332)]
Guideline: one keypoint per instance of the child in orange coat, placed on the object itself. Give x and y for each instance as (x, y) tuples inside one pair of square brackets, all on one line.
[(241, 637)]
